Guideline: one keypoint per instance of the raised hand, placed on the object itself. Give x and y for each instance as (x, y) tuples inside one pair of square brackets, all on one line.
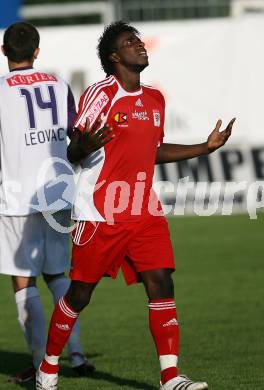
[(92, 139), (218, 138)]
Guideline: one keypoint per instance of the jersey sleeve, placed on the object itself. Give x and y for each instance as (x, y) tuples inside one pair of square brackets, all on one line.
[(93, 103), (71, 109)]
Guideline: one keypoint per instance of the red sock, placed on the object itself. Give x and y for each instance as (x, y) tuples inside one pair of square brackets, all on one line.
[(165, 332), (61, 324)]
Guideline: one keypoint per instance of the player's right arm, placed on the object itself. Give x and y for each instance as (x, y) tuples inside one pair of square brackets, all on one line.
[(88, 141)]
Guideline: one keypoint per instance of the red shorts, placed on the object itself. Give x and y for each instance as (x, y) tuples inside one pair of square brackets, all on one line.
[(100, 249)]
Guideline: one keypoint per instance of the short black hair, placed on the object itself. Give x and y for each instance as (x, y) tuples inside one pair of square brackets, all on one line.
[(107, 43), (21, 39)]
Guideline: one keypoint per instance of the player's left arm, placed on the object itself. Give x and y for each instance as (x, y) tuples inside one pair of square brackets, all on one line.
[(167, 153)]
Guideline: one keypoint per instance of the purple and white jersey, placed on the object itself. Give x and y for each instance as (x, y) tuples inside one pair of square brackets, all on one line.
[(37, 112)]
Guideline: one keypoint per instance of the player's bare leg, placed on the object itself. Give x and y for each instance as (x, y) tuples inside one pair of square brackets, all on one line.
[(59, 285), (62, 322), (165, 329)]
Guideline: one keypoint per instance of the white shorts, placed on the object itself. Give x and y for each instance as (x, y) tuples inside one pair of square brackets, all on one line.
[(29, 246)]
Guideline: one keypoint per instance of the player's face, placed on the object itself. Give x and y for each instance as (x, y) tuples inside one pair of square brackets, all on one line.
[(131, 51)]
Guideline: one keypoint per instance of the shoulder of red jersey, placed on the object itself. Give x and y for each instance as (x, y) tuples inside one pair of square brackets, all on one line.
[(93, 90), (156, 93), (95, 99)]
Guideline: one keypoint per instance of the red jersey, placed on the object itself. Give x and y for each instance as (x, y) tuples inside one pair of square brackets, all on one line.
[(115, 182)]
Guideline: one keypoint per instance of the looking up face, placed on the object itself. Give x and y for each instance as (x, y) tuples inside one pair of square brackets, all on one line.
[(130, 52)]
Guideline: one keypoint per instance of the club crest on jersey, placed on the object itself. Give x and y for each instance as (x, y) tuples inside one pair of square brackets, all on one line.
[(120, 117), (156, 118)]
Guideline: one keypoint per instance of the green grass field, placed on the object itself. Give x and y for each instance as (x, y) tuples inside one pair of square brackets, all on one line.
[(219, 287)]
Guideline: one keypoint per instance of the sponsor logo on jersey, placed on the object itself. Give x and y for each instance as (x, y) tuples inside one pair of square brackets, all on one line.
[(29, 79), (140, 115), (156, 118), (62, 326), (172, 322), (139, 103), (96, 107), (120, 117)]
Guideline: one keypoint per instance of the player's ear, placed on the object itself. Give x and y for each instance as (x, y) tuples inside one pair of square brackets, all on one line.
[(36, 53), (3, 50), (114, 57)]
